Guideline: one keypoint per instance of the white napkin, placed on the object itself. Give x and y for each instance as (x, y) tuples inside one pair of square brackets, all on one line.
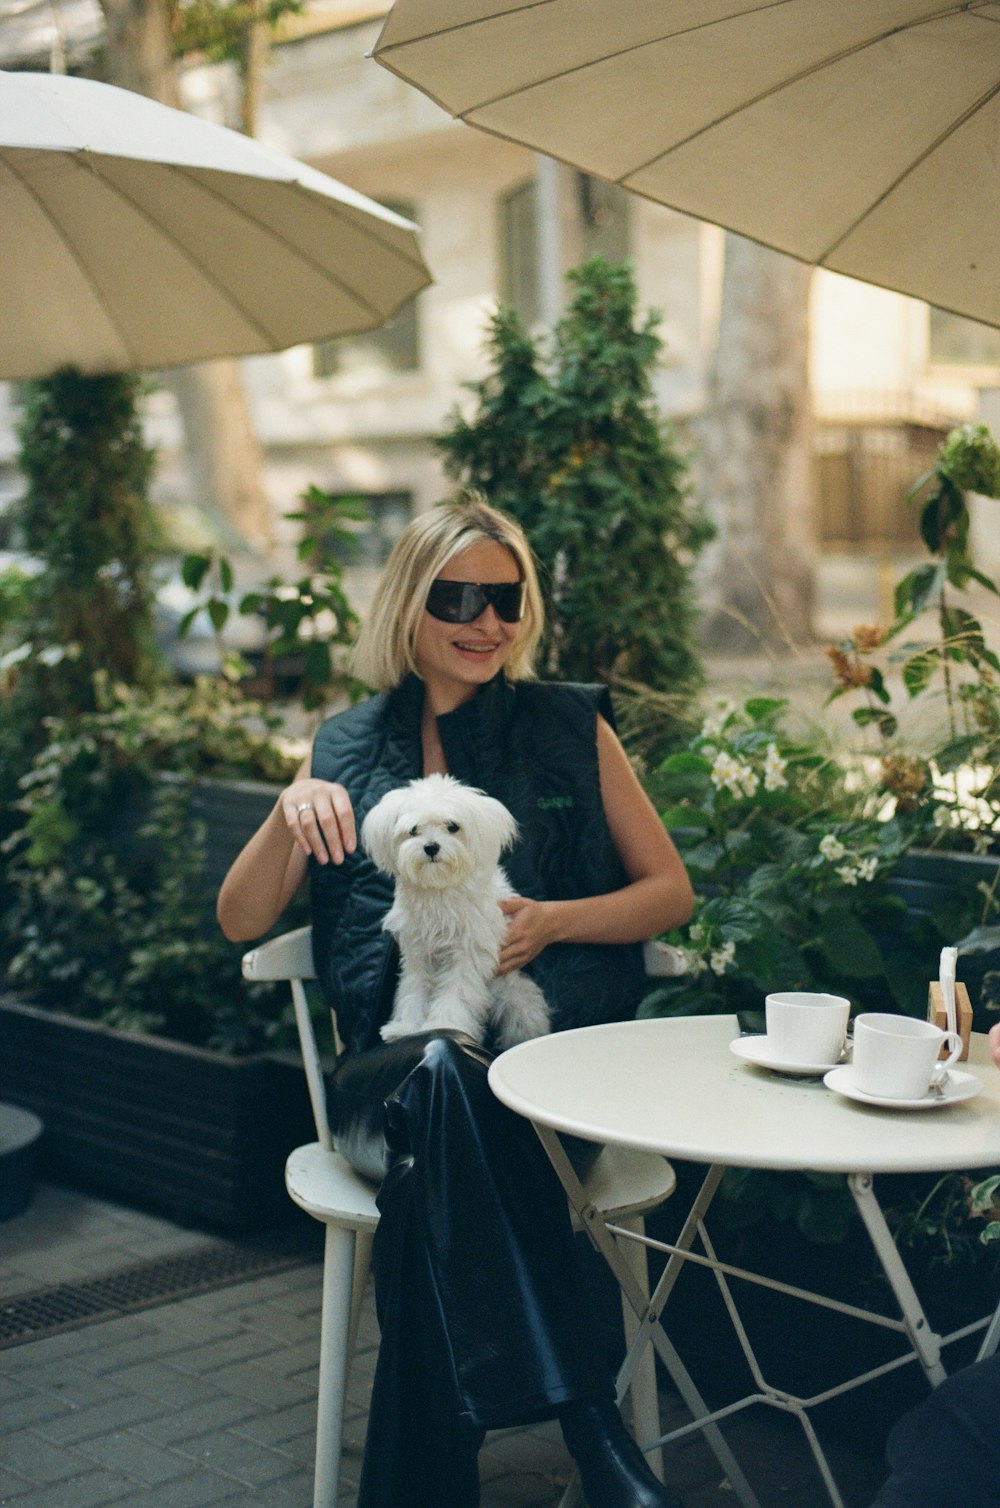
[(946, 974)]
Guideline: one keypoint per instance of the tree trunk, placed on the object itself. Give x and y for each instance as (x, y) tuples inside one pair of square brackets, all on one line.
[(223, 455), (256, 46), (137, 53), (756, 457)]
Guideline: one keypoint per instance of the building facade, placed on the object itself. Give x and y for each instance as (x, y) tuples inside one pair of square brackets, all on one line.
[(888, 375)]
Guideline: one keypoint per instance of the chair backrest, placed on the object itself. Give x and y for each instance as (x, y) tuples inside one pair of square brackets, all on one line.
[(290, 957)]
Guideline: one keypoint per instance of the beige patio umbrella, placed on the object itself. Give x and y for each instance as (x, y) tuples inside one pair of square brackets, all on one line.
[(859, 135), (133, 235)]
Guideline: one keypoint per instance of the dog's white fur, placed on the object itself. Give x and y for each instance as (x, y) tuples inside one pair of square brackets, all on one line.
[(441, 841)]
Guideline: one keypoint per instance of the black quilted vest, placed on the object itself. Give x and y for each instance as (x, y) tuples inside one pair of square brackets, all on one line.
[(533, 746)]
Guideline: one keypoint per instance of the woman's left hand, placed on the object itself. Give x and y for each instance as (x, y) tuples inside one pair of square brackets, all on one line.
[(529, 930)]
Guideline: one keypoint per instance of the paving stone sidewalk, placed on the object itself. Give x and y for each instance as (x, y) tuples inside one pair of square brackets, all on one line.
[(211, 1398)]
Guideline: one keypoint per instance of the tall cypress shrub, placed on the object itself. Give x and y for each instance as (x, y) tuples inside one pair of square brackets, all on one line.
[(566, 436), (87, 520)]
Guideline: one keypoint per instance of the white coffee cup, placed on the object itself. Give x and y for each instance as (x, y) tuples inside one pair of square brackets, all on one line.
[(806, 1027), (897, 1057)]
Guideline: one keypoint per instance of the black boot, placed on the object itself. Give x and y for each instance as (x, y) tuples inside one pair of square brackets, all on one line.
[(613, 1470)]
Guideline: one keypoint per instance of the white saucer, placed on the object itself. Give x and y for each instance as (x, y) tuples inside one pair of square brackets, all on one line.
[(756, 1050), (957, 1087)]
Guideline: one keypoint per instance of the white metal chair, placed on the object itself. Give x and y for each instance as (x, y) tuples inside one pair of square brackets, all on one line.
[(623, 1185)]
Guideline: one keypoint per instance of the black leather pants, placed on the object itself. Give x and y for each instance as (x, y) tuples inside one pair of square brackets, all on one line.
[(476, 1276)]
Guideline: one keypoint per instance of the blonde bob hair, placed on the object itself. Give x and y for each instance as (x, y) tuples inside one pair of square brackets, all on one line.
[(383, 653)]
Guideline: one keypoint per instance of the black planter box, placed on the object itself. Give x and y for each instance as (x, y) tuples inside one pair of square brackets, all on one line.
[(195, 1135)]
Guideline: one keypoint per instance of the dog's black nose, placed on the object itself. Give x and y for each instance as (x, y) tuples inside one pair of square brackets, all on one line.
[(432, 850)]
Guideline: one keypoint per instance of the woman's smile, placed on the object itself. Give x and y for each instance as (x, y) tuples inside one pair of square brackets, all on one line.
[(454, 659)]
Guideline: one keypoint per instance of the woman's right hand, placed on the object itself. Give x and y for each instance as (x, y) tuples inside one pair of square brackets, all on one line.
[(320, 818), (994, 1035)]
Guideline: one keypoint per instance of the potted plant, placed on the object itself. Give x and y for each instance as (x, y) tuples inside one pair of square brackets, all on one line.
[(818, 866), (124, 1022)]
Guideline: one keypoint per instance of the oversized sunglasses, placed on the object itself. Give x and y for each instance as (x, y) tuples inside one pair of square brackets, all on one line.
[(463, 601)]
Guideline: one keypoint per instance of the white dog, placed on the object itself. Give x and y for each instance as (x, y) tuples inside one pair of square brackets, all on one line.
[(441, 841)]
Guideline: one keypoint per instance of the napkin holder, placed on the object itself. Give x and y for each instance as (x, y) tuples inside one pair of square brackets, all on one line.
[(963, 1013)]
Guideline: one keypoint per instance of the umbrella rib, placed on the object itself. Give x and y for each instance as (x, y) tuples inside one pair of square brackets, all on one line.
[(381, 54), (361, 223), (469, 114), (262, 329), (325, 273), (911, 167), (786, 83), (81, 266)]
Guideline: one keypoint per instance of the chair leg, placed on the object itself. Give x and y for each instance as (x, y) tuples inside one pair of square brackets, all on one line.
[(335, 1326), (645, 1401), (573, 1496), (363, 1242)]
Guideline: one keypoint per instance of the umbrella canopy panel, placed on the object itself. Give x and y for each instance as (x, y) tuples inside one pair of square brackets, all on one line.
[(859, 135), (133, 235)]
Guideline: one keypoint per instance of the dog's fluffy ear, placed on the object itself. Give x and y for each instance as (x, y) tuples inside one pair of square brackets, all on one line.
[(379, 828), (491, 820)]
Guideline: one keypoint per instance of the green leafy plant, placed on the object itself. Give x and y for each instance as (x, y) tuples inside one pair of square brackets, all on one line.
[(218, 28), (790, 868), (111, 916), (950, 1224), (792, 860), (952, 784), (567, 438), (86, 522), (309, 621)]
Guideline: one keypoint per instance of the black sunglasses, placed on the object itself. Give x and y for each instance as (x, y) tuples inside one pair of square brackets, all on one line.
[(463, 601)]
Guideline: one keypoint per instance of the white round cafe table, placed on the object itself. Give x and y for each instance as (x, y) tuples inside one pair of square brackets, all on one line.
[(674, 1087)]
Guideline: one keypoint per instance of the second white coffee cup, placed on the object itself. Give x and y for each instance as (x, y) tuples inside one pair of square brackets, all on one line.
[(806, 1027), (896, 1057)]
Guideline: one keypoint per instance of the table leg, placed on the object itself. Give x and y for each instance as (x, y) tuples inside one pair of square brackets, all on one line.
[(923, 1339), (992, 1337), (645, 1403), (648, 1315)]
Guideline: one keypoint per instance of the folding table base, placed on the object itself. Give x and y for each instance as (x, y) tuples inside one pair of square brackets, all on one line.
[(612, 1241)]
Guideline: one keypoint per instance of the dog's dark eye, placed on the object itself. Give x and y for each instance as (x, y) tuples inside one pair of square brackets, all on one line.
[(453, 827), (413, 832)]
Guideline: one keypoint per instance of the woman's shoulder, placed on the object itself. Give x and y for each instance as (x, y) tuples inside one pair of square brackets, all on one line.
[(352, 729), (566, 699), (361, 715)]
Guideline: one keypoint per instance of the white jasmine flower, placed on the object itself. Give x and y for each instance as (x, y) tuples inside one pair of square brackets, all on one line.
[(774, 769), (867, 868), (831, 848), (725, 773), (695, 963), (848, 874), (696, 932), (734, 775), (717, 719), (721, 958), (749, 780)]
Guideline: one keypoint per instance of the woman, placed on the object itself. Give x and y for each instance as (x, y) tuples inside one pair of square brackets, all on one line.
[(474, 1260)]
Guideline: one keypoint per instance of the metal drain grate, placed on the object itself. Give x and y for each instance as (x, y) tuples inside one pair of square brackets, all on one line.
[(143, 1285)]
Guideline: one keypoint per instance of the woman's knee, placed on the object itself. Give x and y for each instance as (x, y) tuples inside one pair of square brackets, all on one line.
[(455, 1052), (367, 1091)]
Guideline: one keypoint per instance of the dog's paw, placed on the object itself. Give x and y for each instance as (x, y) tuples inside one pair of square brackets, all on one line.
[(393, 1030)]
